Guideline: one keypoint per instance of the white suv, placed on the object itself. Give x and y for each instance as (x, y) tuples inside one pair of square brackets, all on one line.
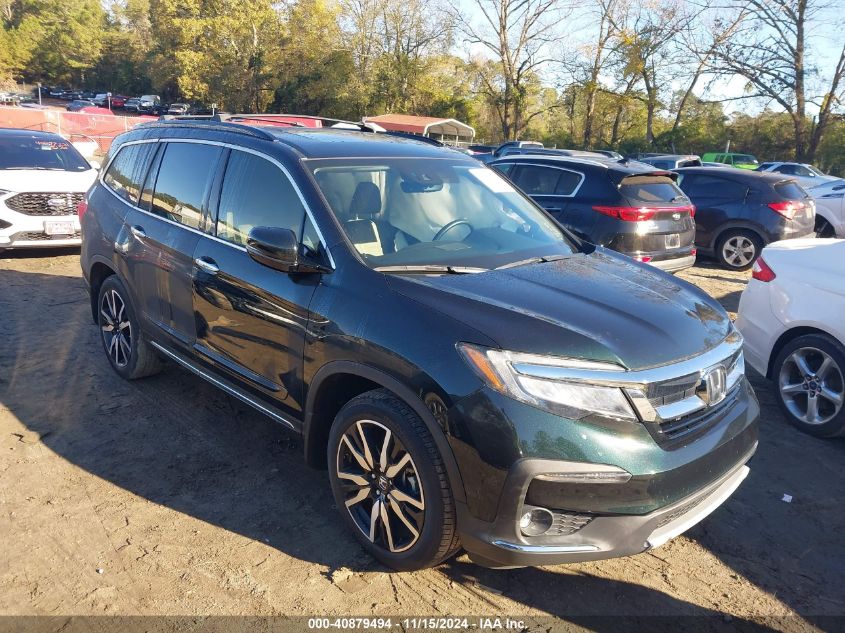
[(42, 180)]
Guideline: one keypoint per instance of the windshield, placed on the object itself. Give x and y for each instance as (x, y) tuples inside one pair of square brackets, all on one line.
[(745, 158), (435, 212), (20, 152)]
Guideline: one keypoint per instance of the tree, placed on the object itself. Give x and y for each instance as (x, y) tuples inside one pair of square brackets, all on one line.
[(771, 53), (519, 35)]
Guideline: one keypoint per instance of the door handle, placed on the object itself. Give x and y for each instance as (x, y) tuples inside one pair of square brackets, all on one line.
[(207, 265), (554, 209), (138, 232)]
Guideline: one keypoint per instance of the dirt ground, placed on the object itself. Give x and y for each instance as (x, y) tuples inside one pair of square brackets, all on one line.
[(165, 496)]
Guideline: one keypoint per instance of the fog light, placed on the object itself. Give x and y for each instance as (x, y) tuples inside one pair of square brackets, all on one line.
[(535, 521)]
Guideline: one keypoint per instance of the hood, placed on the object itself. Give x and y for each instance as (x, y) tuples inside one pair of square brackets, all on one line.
[(21, 180), (597, 306)]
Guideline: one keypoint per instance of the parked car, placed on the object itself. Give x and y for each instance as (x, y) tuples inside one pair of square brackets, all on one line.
[(118, 101), (178, 108), (499, 151), (672, 161), (540, 151), (628, 207), (609, 153), (78, 104), (791, 315), (148, 104), (42, 179), (739, 211), (830, 208), (712, 164), (740, 161), (131, 105), (96, 110), (56, 93), (806, 175), (469, 372)]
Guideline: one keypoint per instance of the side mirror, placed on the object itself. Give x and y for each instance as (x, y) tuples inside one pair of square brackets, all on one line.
[(95, 164), (274, 247)]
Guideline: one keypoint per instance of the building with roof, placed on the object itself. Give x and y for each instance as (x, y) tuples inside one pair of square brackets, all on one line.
[(448, 131)]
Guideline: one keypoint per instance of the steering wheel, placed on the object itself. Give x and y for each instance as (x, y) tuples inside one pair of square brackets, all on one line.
[(448, 227)]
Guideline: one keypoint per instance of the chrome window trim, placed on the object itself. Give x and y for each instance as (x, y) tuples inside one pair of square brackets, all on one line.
[(231, 146), (550, 195)]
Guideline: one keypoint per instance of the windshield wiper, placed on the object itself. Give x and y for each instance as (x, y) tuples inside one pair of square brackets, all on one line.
[(422, 269), (532, 260)]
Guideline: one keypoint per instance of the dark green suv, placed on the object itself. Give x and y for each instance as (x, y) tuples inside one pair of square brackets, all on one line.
[(469, 373)]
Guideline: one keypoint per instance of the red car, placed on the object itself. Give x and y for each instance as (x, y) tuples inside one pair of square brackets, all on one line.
[(117, 101)]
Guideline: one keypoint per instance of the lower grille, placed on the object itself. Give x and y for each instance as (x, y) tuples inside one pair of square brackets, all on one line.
[(567, 523), (38, 236), (45, 203)]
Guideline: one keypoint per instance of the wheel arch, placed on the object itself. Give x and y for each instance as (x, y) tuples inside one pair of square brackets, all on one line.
[(737, 225), (335, 384), (100, 270), (788, 336)]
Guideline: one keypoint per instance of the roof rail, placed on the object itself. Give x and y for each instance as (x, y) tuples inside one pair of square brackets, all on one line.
[(275, 119), (171, 121)]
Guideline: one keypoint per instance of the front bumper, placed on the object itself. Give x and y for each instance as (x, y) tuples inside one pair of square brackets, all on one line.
[(19, 230), (609, 536), (674, 265)]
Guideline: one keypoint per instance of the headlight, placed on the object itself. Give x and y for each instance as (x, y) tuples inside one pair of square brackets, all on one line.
[(529, 378)]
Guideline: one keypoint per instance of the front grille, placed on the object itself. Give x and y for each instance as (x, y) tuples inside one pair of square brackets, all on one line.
[(45, 203), (669, 391), (40, 236)]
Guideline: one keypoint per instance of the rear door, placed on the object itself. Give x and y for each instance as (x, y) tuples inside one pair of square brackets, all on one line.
[(251, 319), (717, 201), (165, 231)]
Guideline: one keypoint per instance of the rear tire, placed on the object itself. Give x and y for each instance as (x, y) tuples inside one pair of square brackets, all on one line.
[(129, 354), (390, 484), (809, 382), (738, 249)]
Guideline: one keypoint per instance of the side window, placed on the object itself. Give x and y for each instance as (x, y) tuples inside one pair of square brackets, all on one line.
[(787, 169), (126, 173), (567, 182), (712, 187), (256, 193), (537, 181), (503, 168), (184, 177)]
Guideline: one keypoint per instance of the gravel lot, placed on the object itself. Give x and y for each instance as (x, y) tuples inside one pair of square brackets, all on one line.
[(164, 496)]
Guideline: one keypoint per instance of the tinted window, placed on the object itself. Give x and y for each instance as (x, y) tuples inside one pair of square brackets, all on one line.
[(745, 158), (21, 152), (662, 164), (256, 193), (791, 191), (504, 168), (536, 180), (651, 189), (184, 177), (712, 187), (786, 169), (126, 172)]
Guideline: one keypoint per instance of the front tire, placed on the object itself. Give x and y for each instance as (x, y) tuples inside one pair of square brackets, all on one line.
[(390, 484), (128, 353), (809, 380), (738, 249), (824, 228)]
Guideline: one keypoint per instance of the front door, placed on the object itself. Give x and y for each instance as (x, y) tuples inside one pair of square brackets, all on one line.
[(251, 319)]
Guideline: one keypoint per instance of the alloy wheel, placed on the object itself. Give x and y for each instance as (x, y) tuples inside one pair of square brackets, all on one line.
[(382, 488), (116, 328), (739, 251), (811, 385)]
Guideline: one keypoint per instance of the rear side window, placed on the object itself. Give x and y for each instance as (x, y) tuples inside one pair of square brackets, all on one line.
[(504, 168), (256, 193), (712, 187), (184, 177), (651, 189), (791, 191), (126, 173), (548, 181)]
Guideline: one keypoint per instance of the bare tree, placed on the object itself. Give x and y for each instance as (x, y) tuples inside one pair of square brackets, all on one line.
[(771, 54), (518, 34), (600, 52)]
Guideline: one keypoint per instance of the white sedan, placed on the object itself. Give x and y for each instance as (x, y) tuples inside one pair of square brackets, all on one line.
[(792, 315), (830, 208)]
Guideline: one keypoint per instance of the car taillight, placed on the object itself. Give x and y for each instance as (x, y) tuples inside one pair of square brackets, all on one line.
[(787, 209), (640, 214), (645, 259), (761, 271), (82, 207)]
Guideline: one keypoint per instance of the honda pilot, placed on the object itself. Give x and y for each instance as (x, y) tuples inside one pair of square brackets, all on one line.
[(471, 374)]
